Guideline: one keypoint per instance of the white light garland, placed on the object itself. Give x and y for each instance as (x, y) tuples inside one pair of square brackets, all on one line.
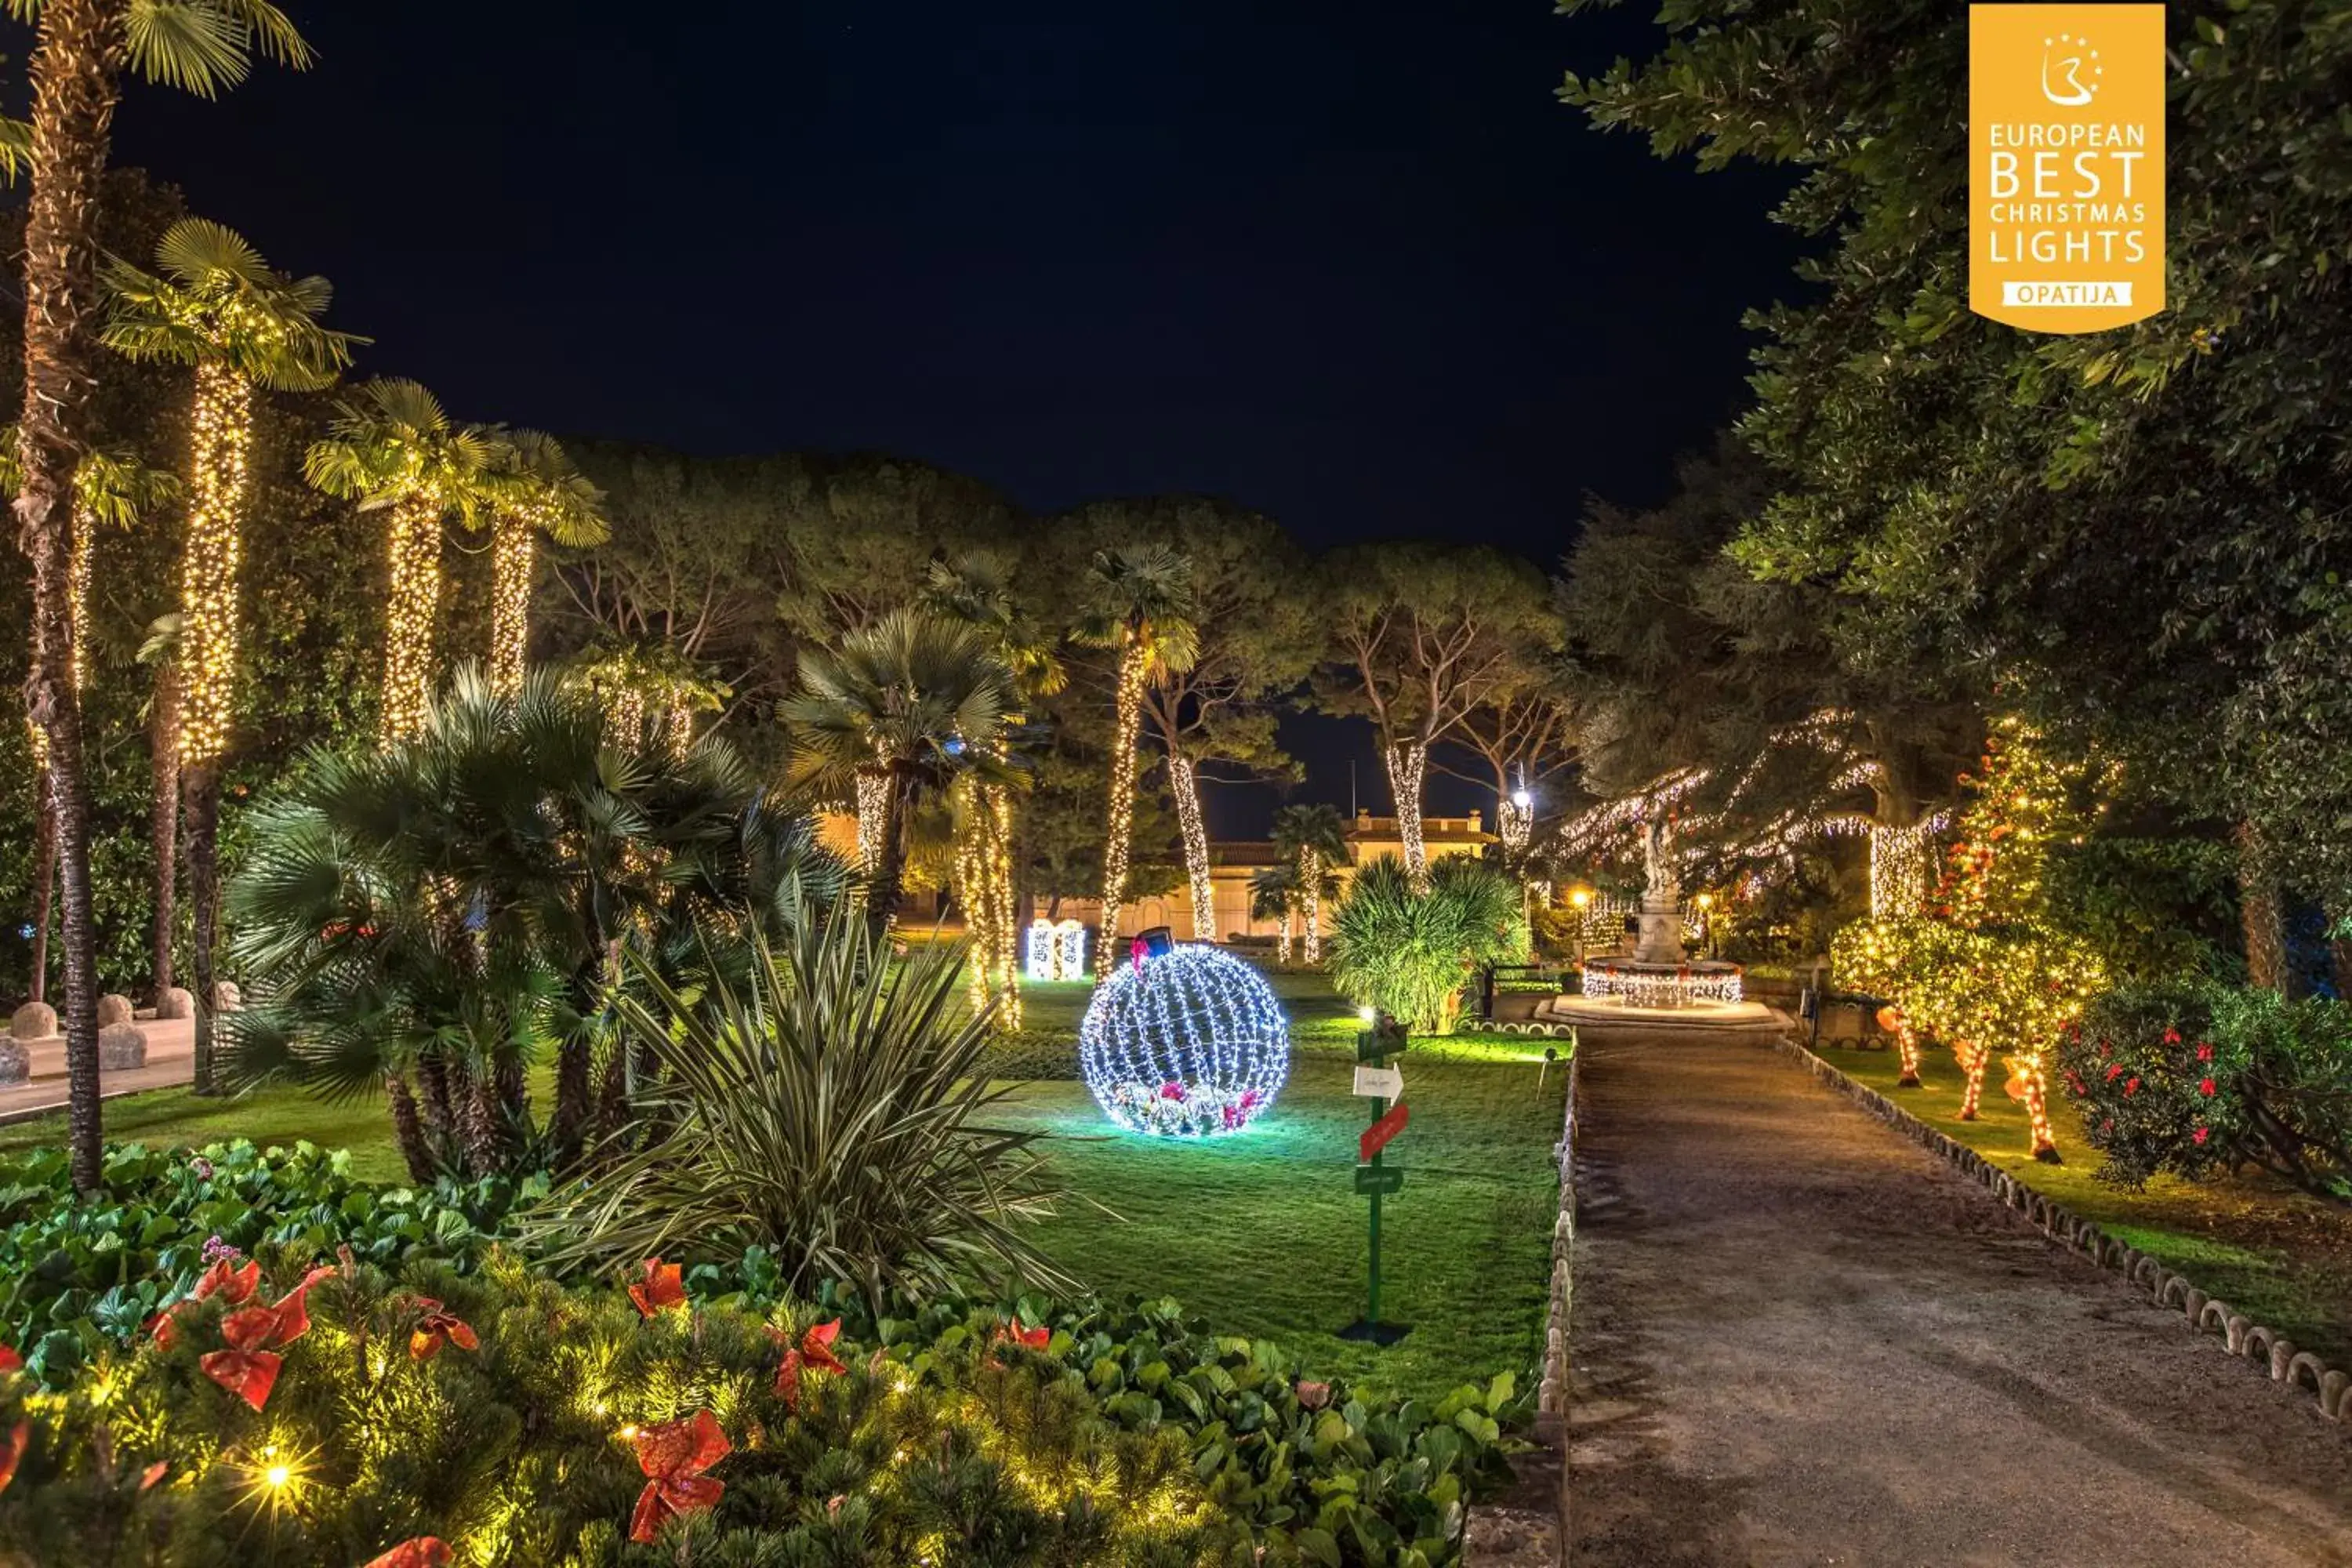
[(1055, 949), (1184, 785), (1656, 986), (1134, 673), (414, 546), (1406, 762), (1191, 1044)]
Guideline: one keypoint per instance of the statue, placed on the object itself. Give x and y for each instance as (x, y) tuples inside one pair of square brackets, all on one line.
[(1660, 920)]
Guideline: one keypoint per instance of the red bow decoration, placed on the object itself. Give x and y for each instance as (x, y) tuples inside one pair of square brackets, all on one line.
[(9, 1360), (814, 1353), (673, 1457), (151, 1474), (1027, 1338), (660, 1289), (439, 1327), (12, 1452), (234, 1285), (421, 1551), (248, 1368)]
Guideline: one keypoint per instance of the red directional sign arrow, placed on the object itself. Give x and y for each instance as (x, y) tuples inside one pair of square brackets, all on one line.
[(1376, 1135)]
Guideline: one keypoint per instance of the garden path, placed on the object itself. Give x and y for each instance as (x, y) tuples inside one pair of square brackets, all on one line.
[(1798, 1337)]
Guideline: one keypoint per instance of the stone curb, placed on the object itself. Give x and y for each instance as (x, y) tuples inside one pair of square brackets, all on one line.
[(2258, 1342)]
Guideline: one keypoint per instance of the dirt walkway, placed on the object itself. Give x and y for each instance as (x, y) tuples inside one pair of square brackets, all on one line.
[(1798, 1338)]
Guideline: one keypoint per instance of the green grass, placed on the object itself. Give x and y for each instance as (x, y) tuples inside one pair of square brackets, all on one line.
[(2278, 1255), (1261, 1232)]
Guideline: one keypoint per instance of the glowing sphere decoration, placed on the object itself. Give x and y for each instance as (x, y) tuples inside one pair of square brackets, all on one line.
[(1189, 1044)]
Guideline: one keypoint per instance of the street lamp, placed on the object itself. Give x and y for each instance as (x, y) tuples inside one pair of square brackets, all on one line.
[(1579, 897)]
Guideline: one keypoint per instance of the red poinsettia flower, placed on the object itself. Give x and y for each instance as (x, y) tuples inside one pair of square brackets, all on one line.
[(247, 1369), (2205, 1050), (673, 1457), (2115, 1072), (2200, 1134), (224, 1278), (2131, 1087), (814, 1353), (2171, 1036), (420, 1552), (438, 1328), (661, 1287), (2206, 1087), (1014, 1333)]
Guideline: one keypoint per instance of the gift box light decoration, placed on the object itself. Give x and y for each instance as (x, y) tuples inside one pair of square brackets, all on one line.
[(1190, 1043), (1055, 950)]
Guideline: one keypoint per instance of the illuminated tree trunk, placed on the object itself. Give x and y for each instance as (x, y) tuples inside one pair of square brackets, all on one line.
[(888, 870), (1515, 825), (201, 781), (85, 530), (415, 605), (873, 809), (1907, 1047), (1282, 944), (2260, 914), (1900, 867), (1185, 783), (45, 877), (1000, 956), (2028, 1085), (163, 816), (1407, 761), (514, 567), (219, 479), (1134, 667), (74, 72), (1310, 894)]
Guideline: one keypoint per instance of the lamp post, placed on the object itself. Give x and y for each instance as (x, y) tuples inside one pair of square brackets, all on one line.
[(1579, 897)]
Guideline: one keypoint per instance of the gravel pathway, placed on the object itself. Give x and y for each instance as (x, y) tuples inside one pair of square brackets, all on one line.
[(1798, 1338)]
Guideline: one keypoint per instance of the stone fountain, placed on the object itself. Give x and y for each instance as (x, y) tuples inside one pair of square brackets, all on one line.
[(1660, 978)]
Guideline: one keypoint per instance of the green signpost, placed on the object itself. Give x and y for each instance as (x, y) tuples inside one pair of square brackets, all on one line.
[(1379, 1082)]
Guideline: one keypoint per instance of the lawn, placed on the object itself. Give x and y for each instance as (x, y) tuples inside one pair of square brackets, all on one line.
[(2279, 1256), (1261, 1232)]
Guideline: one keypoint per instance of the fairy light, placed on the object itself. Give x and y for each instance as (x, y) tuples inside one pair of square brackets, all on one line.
[(1899, 858), (220, 456), (1515, 821), (873, 797), (1185, 783), (1056, 950), (415, 549), (1651, 985), (1188, 1044), (78, 568), (1134, 670), (1406, 762), (514, 556)]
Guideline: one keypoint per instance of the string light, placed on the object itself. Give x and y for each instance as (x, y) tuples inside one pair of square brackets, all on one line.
[(1515, 820), (1134, 671), (514, 566), (1184, 785), (1899, 859), (872, 799), (1652, 985), (218, 476), (1310, 893), (78, 568), (1056, 950), (415, 549), (1406, 762), (1188, 1044)]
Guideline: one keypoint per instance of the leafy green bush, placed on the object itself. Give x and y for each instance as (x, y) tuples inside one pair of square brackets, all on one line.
[(2193, 1078), (76, 1273), (830, 1107), (520, 1423), (1410, 950)]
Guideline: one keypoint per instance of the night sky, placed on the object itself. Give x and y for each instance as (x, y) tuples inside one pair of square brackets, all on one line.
[(1351, 265)]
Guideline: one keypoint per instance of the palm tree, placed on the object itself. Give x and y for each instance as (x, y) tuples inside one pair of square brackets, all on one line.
[(975, 588), (1138, 602), (898, 708), (212, 304), (1315, 838), (1274, 896), (431, 918), (534, 490), (161, 652), (80, 51), (392, 448), (112, 487)]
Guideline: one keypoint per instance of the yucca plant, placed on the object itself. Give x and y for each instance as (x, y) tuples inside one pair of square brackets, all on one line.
[(1410, 951), (830, 1106)]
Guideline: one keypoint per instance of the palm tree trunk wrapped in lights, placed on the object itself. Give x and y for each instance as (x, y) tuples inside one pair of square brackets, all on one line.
[(874, 817), (983, 886), (1184, 785), (1310, 902), (1119, 833), (414, 607), (514, 565)]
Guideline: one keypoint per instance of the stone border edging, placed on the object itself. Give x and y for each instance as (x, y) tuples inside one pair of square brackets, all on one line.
[(1551, 1398), (2205, 1313)]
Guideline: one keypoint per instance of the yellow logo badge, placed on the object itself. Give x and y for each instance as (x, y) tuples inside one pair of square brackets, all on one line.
[(2066, 165)]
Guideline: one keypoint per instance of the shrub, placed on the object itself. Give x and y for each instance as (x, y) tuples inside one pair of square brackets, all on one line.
[(832, 1109), (1408, 951), (1113, 1436), (2191, 1079), (78, 1272)]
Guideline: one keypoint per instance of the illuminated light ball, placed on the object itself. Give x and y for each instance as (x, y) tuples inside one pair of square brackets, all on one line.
[(1189, 1044)]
